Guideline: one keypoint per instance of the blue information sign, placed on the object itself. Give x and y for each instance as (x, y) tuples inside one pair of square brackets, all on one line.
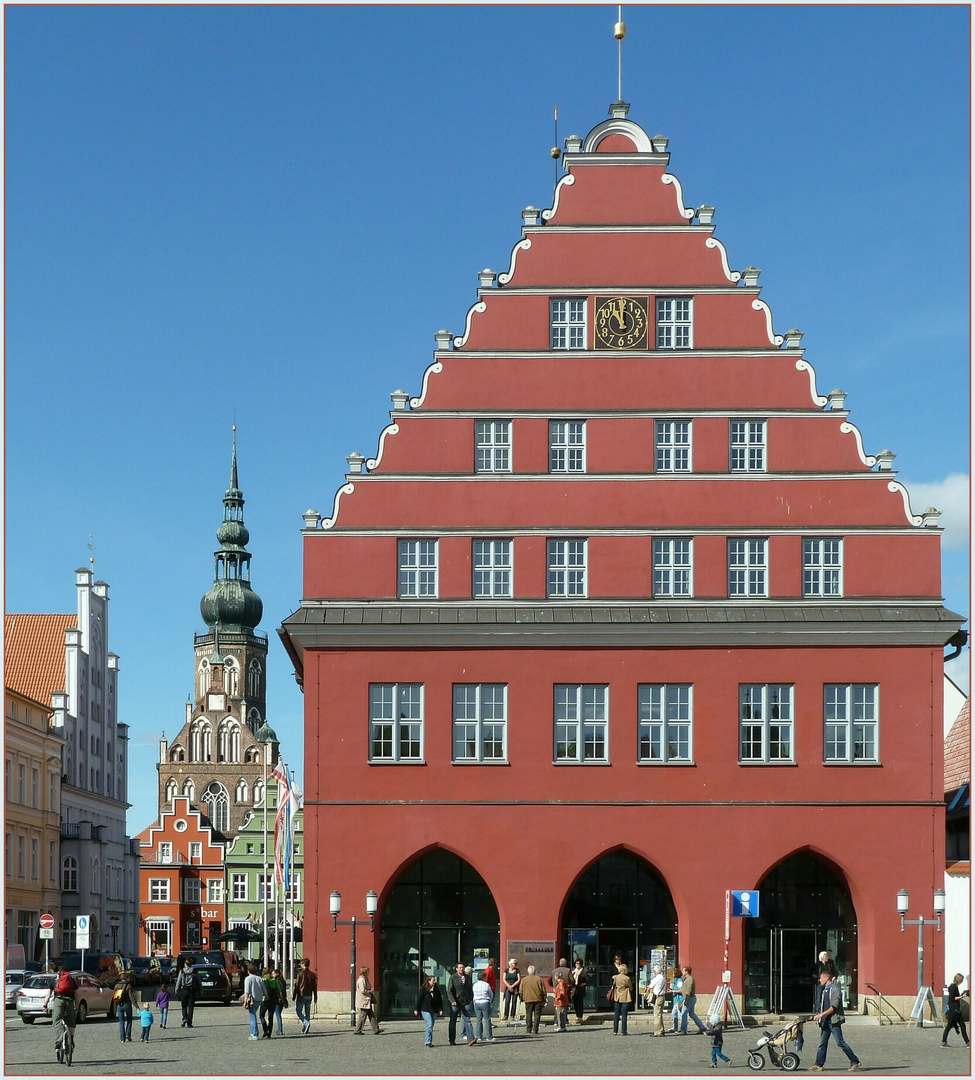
[(744, 904)]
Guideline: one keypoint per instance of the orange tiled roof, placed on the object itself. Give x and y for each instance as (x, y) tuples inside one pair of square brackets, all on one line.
[(33, 653), (958, 750)]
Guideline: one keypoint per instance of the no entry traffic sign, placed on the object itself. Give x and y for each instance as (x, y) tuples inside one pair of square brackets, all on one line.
[(46, 921)]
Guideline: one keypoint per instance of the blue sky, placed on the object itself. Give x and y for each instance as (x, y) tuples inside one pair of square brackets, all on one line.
[(273, 209)]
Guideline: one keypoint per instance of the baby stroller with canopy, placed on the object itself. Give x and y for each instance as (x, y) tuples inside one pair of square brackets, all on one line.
[(776, 1046)]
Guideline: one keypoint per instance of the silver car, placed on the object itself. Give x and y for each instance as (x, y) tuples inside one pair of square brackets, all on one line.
[(94, 998), (15, 980)]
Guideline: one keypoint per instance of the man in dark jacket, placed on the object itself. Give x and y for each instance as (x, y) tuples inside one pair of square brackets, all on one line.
[(460, 994), (187, 988), (831, 1021)]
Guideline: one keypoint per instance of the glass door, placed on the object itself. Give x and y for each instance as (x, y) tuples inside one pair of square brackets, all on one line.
[(440, 952), (612, 942), (793, 970)]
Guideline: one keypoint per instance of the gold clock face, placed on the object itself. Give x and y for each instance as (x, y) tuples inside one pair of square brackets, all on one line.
[(621, 323)]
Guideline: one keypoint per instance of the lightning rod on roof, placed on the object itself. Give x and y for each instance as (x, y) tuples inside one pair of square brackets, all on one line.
[(619, 32)]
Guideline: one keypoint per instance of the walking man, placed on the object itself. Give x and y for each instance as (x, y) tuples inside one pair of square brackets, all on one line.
[(187, 988), (690, 999), (460, 994), (658, 988), (306, 991), (831, 1021), (534, 996)]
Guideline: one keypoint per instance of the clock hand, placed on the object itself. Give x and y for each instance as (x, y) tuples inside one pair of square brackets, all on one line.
[(619, 314)]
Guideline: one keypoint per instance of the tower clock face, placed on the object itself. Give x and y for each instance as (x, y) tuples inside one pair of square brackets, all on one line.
[(621, 323)]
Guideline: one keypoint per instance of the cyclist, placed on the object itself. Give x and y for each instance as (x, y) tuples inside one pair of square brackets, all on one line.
[(63, 991)]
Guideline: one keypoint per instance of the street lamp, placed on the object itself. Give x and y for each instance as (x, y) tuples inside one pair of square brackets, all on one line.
[(334, 909), (903, 904), (113, 921)]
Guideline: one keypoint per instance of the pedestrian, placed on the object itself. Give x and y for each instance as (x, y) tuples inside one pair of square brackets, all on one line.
[(678, 1012), (124, 1000), (512, 981), (534, 996), (365, 1003), (824, 963), (282, 998), (831, 1020), (429, 1005), (953, 1017), (63, 990), (253, 998), (269, 1002), (562, 970), (460, 995), (690, 997), (483, 1003), (187, 989), (162, 1004), (716, 1030), (306, 990), (145, 1020), (491, 974), (658, 991), (580, 980), (621, 994), (561, 1002)]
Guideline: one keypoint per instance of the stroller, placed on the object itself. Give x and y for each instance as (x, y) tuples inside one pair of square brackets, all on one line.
[(777, 1046)]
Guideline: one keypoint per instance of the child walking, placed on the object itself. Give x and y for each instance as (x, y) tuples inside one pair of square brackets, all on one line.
[(145, 1018), (162, 1004), (714, 1029)]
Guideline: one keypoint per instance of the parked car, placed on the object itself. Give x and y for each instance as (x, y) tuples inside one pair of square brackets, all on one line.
[(146, 971), (214, 983), (107, 967), (167, 968), (94, 997), (224, 958), (14, 981)]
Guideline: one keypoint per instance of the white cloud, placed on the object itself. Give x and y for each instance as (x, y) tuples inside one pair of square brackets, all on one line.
[(952, 497)]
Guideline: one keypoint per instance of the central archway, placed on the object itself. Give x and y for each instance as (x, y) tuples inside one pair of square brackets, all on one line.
[(440, 911), (621, 905)]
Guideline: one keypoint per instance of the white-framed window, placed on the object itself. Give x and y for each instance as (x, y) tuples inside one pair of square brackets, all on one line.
[(231, 676), (492, 567), (492, 446), (765, 722), (69, 874), (665, 722), (850, 722), (196, 851), (748, 567), (159, 935), (748, 444), (165, 851), (240, 791), (238, 886), (191, 890), (254, 671), (159, 889), (228, 740), (567, 446), (395, 721), (193, 935), (672, 567), (265, 885), (417, 568), (582, 723), (172, 789), (68, 930), (822, 567), (480, 721), (674, 322), (214, 891), (567, 568), (293, 892), (568, 324), (672, 442)]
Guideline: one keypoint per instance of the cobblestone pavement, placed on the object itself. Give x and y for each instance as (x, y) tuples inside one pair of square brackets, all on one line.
[(217, 1044)]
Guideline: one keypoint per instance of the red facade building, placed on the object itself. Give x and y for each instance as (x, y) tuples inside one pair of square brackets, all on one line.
[(621, 616)]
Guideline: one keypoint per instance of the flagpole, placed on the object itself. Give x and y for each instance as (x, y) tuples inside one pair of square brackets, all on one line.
[(267, 751)]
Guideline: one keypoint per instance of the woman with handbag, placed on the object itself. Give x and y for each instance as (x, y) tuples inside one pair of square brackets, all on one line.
[(365, 1002), (621, 994), (253, 996)]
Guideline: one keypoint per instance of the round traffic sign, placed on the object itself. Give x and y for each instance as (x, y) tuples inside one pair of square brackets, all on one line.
[(46, 921)]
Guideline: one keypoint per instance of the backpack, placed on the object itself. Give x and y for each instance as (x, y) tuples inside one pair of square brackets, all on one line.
[(65, 984)]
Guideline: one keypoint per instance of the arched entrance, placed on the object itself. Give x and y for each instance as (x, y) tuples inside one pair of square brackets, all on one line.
[(619, 904), (805, 907), (439, 911)]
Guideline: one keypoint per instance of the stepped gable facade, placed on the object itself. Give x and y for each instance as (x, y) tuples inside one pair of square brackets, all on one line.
[(622, 614)]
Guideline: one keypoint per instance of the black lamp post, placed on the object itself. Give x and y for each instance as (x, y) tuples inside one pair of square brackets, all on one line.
[(334, 908), (903, 904)]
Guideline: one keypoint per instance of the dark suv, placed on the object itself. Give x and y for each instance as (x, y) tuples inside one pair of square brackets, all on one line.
[(222, 958)]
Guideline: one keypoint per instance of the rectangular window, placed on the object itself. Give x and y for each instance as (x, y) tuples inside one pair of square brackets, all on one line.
[(748, 567), (765, 723), (492, 567), (35, 860), (35, 788), (68, 926), (492, 446), (581, 723), (21, 774), (52, 864), (566, 568), (238, 886), (22, 857), (196, 850), (567, 446), (672, 568), (417, 568), (568, 324), (165, 851), (480, 721), (674, 322), (214, 891), (160, 935), (159, 889), (191, 890), (665, 719), (850, 723), (395, 721), (748, 446), (294, 892), (265, 884), (822, 567), (672, 439), (193, 935)]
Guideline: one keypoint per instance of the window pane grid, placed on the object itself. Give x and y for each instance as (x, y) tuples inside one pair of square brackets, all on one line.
[(672, 568), (566, 568), (492, 446), (567, 446), (748, 445), (396, 721), (664, 722), (581, 722), (568, 324), (822, 564), (492, 568), (417, 568), (850, 722), (673, 323), (480, 721), (747, 567), (673, 445), (765, 722)]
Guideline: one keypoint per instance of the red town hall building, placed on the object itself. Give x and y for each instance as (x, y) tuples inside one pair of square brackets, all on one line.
[(620, 616)]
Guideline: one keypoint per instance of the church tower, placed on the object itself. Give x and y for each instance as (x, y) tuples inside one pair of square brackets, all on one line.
[(216, 760)]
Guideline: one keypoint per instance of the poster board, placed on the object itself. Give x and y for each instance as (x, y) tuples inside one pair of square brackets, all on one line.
[(539, 953)]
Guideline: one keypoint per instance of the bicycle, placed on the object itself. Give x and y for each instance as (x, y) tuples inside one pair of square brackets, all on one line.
[(65, 1042)]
